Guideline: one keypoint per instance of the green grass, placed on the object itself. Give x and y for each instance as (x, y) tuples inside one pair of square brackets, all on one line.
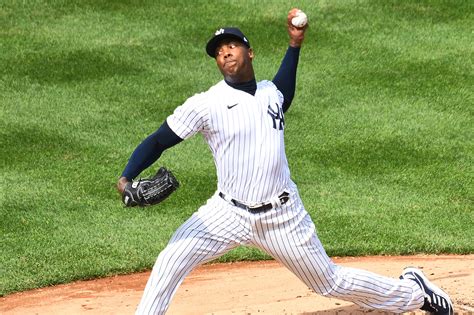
[(379, 137)]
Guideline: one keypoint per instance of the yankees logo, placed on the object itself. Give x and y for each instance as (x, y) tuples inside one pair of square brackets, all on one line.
[(222, 31), (277, 115)]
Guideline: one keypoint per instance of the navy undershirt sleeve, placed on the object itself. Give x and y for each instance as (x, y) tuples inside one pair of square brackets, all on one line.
[(150, 150), (285, 79)]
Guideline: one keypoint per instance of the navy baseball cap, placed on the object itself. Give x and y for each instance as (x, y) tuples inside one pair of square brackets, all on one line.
[(220, 34)]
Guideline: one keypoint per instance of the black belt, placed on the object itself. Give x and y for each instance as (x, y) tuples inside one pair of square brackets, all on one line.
[(284, 197)]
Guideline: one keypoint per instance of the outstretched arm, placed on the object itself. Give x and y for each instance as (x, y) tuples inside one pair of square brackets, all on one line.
[(147, 153), (285, 79)]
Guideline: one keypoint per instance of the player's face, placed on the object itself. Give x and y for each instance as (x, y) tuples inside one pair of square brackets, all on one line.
[(234, 60)]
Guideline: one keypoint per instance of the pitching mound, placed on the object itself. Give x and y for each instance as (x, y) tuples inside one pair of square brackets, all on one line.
[(240, 288)]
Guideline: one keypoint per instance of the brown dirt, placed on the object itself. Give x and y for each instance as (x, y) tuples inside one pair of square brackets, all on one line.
[(240, 288)]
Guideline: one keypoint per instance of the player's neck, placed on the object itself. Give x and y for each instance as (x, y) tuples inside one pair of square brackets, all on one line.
[(248, 86)]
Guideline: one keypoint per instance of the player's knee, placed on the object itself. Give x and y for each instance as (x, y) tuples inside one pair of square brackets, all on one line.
[(332, 280)]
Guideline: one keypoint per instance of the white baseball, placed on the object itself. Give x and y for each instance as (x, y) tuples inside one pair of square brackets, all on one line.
[(300, 19)]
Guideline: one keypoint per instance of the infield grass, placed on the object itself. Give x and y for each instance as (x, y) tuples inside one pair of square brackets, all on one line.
[(379, 137)]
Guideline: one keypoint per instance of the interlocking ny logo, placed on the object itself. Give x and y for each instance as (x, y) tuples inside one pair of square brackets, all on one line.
[(277, 116)]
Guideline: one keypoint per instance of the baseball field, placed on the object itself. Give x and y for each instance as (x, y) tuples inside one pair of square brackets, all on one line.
[(379, 137)]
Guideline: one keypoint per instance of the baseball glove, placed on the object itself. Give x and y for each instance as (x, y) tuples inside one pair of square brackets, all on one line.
[(150, 191)]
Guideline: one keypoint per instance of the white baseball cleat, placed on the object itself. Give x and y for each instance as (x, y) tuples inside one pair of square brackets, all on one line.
[(436, 300)]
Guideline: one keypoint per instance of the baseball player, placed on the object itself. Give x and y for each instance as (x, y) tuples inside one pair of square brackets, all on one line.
[(256, 202)]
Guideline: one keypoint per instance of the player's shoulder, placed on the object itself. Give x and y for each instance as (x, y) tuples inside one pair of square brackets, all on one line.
[(218, 88), (269, 89), (266, 84), (212, 92), (203, 96)]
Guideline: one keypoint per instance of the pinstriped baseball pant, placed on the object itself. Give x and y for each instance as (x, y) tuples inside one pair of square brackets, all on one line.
[(286, 233)]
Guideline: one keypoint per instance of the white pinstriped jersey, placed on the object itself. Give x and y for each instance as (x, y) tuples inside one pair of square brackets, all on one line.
[(245, 135)]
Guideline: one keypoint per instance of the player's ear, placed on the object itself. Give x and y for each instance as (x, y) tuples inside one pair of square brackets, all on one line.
[(251, 54)]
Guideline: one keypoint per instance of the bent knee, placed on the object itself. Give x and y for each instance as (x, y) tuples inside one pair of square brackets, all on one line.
[(329, 282)]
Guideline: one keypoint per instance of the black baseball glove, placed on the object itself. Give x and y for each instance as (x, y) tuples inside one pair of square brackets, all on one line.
[(150, 191)]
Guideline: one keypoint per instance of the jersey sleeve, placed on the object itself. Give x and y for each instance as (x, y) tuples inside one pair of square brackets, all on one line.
[(190, 118), (265, 84), (285, 79), (150, 150)]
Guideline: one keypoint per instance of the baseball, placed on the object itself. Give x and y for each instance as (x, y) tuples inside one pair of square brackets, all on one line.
[(300, 19)]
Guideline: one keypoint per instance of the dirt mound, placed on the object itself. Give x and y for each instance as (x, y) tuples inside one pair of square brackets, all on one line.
[(241, 288)]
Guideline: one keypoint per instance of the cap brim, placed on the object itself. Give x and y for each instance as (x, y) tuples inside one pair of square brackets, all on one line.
[(214, 42)]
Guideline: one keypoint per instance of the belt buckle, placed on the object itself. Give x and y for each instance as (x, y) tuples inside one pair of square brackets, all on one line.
[(256, 207)]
